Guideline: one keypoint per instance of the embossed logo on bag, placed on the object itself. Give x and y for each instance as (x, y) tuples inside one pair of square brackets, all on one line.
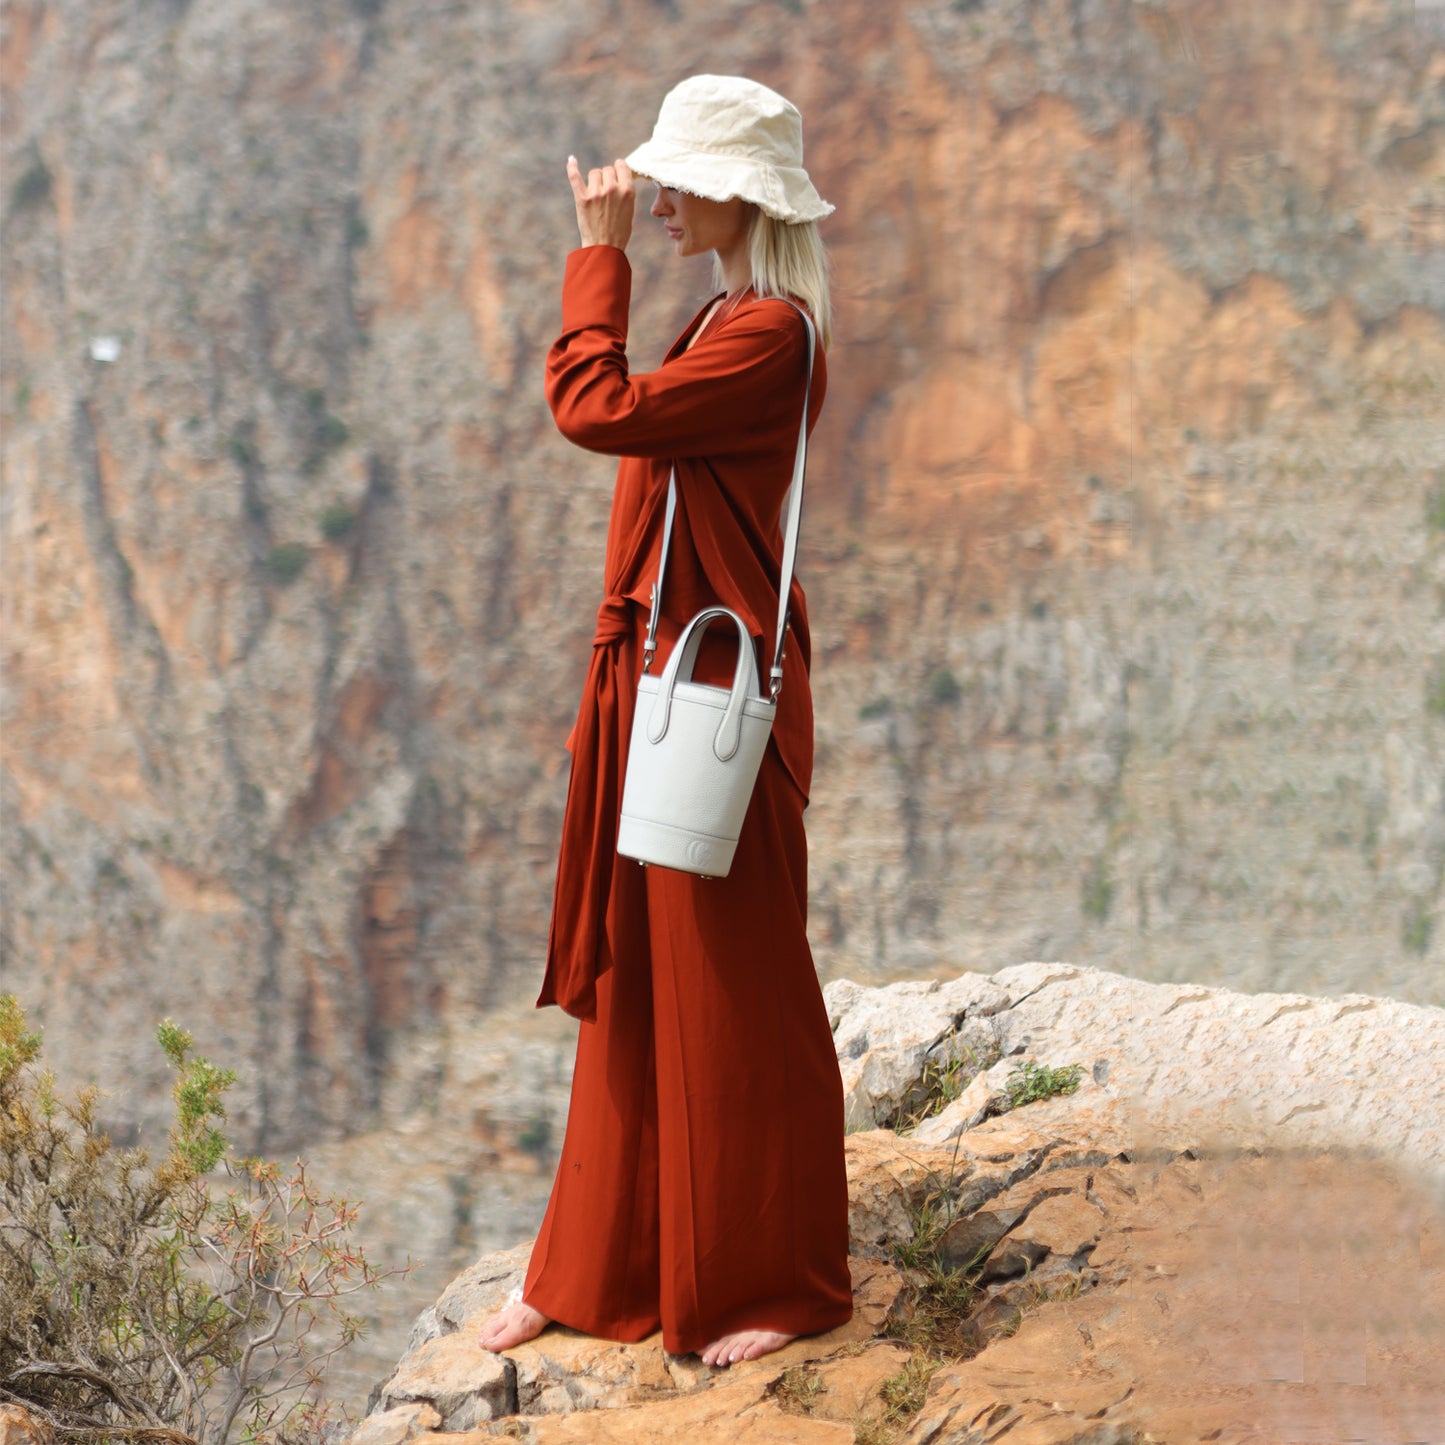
[(701, 852)]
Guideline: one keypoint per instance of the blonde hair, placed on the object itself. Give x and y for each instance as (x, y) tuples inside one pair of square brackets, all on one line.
[(789, 260)]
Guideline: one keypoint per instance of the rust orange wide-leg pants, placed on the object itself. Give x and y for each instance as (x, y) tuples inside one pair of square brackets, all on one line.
[(701, 1184)]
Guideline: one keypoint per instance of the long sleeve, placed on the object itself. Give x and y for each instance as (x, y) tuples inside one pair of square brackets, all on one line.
[(724, 397), (723, 417)]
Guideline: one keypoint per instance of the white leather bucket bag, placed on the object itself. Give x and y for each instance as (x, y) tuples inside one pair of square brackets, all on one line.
[(696, 748)]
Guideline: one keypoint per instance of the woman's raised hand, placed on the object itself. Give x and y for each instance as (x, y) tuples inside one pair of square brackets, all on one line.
[(604, 203)]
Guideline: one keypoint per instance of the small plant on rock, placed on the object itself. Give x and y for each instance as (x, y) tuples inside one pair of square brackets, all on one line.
[(1029, 1082), (904, 1392), (942, 1296), (902, 1396), (942, 1081), (797, 1390), (929, 1218)]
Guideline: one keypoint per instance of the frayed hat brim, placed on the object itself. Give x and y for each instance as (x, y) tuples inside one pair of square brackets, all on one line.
[(726, 136)]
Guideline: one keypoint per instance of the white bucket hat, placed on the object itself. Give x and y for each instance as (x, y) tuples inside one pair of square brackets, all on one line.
[(720, 136)]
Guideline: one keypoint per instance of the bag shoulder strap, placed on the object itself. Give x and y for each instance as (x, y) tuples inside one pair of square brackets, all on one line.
[(790, 530)]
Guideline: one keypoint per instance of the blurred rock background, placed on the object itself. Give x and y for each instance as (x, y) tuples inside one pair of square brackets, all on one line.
[(1125, 546)]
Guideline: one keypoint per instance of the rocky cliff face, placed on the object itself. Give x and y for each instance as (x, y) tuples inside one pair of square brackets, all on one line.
[(1218, 1299), (1124, 542), (1201, 1242), (1165, 1068)]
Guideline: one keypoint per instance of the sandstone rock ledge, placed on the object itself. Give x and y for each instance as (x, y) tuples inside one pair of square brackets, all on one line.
[(1233, 1231)]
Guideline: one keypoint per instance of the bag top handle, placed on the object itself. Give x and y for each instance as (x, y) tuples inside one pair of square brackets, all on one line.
[(790, 531)]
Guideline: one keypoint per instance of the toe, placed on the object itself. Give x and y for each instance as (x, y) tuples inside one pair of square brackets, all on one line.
[(715, 1355)]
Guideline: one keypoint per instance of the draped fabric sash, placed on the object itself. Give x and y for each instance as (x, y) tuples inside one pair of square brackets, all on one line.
[(600, 903)]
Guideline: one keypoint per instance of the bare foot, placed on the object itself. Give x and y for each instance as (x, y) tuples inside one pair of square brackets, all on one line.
[(513, 1324), (745, 1345)]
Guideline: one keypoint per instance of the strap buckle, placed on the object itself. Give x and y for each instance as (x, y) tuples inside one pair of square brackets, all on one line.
[(649, 646)]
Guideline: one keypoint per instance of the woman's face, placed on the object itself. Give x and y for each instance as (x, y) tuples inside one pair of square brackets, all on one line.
[(695, 225)]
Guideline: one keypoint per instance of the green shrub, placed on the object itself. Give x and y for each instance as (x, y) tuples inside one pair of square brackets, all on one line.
[(110, 874), (536, 1138), (286, 561), (33, 186), (332, 432), (324, 432), (137, 1298), (337, 522), (942, 687)]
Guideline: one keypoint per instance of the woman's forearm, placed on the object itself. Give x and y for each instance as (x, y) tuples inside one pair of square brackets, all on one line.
[(713, 400)]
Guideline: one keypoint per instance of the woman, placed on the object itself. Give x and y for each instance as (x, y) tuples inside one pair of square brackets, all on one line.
[(701, 1185)]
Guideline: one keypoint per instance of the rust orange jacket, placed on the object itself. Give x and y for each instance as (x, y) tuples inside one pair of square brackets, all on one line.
[(725, 412)]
